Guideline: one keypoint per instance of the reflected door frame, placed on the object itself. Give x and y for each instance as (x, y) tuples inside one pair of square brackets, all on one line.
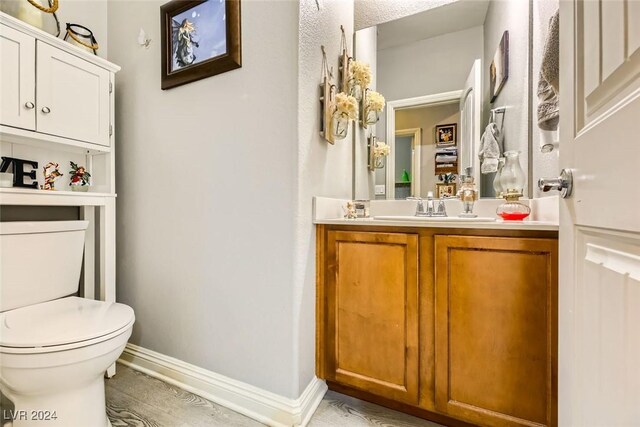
[(416, 156), (419, 101)]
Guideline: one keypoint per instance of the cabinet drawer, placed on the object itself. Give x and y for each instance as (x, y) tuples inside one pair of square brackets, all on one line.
[(73, 96)]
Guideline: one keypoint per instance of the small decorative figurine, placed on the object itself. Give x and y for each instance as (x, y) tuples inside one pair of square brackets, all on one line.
[(79, 178), (50, 177), (350, 211)]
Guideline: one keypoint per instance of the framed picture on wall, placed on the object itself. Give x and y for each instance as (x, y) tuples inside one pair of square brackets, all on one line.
[(499, 68), (446, 134), (200, 38), (445, 189)]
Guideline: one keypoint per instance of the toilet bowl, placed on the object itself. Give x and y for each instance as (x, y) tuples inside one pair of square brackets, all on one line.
[(54, 353)]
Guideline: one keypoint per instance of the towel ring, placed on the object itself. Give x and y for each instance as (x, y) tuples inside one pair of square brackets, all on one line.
[(499, 110)]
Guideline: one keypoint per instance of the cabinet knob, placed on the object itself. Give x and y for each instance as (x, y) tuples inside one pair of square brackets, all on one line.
[(46, 110), (29, 105)]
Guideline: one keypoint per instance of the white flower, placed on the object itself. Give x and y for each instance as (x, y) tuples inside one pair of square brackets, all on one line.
[(347, 104), (375, 101), (361, 73), (381, 149)]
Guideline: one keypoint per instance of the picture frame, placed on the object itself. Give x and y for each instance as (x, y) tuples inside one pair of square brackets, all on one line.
[(446, 134), (499, 68), (445, 189), (199, 39)]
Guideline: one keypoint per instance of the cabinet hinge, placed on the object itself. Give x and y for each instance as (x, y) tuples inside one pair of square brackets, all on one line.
[(110, 130), (110, 87)]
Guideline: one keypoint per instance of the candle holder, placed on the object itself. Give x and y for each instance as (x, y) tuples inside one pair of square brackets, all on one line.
[(512, 183)]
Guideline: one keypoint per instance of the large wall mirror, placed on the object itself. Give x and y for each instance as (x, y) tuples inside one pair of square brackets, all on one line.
[(452, 72)]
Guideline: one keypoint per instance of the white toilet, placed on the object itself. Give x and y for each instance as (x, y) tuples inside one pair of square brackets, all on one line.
[(54, 348)]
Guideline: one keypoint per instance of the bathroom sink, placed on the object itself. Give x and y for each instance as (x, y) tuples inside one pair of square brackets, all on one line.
[(432, 218)]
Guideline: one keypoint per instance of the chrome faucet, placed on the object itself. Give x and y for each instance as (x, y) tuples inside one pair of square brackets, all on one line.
[(426, 207)]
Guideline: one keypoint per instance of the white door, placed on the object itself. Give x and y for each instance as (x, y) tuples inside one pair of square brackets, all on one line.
[(599, 293), (73, 96), (17, 79), (470, 108)]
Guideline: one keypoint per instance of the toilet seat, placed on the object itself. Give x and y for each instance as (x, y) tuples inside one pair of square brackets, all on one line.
[(62, 324)]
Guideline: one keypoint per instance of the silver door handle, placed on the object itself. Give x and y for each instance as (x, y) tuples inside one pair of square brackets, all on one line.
[(564, 183), (46, 110), (29, 105)]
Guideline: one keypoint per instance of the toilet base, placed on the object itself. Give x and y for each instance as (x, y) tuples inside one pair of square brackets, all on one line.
[(80, 407)]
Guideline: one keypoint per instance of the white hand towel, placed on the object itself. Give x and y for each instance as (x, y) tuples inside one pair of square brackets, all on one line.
[(490, 149)]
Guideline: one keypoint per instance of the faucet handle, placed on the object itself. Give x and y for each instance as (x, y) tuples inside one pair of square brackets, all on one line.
[(420, 205), (442, 209)]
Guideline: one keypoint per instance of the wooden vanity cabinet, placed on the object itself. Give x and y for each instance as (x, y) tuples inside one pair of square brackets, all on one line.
[(454, 325), (371, 318), (495, 329)]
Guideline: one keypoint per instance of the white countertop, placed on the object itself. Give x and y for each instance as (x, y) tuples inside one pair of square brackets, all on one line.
[(489, 225), (544, 215)]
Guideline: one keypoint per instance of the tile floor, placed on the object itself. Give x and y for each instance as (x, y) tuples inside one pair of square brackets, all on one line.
[(138, 400)]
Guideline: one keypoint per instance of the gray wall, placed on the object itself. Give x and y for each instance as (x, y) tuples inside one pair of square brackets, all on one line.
[(215, 185), (321, 169), (421, 63), (544, 164), (512, 16), (366, 42), (89, 13), (435, 65), (205, 198)]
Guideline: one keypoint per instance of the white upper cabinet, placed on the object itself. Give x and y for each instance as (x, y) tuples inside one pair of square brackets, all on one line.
[(17, 79), (73, 96), (53, 92)]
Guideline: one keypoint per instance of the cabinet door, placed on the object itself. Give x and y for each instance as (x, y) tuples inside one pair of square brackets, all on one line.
[(372, 313), (496, 333), (17, 79), (73, 96)]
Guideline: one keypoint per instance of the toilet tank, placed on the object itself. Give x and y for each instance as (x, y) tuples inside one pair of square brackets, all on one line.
[(39, 261)]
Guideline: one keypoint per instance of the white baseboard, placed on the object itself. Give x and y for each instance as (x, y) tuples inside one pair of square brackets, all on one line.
[(261, 405)]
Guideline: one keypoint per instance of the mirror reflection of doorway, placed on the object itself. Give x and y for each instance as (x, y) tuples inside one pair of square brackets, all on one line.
[(414, 149), (407, 162)]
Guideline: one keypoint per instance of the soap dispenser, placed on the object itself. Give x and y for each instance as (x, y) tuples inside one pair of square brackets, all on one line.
[(468, 193)]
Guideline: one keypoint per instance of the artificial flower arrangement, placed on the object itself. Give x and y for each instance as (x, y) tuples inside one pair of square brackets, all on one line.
[(360, 78), (375, 100), (346, 109), (374, 104), (347, 105), (380, 151)]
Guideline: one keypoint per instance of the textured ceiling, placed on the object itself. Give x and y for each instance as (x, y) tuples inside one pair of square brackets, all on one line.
[(374, 12), (456, 16)]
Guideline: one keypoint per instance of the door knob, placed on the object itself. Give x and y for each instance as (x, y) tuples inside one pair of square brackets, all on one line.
[(564, 183), (29, 105), (46, 110)]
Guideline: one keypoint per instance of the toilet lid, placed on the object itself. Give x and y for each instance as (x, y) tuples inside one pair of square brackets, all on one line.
[(62, 321)]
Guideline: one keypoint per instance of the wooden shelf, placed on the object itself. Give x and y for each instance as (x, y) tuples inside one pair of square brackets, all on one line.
[(454, 165), (32, 197), (452, 169), (42, 140)]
